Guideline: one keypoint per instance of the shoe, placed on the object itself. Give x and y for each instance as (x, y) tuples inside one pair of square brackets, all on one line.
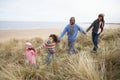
[(95, 49)]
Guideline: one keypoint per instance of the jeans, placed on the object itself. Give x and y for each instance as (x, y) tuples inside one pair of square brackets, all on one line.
[(48, 57), (71, 47), (95, 37)]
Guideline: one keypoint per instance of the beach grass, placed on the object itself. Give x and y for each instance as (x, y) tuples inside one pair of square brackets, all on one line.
[(86, 65)]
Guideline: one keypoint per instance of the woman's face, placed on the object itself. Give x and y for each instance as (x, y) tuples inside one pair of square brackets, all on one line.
[(100, 18), (50, 39)]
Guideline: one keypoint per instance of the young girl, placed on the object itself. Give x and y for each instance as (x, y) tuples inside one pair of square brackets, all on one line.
[(30, 55), (50, 44)]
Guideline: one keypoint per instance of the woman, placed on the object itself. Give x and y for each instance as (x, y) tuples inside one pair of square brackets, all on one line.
[(97, 26)]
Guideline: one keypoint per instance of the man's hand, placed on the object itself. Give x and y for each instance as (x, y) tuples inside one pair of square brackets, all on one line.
[(58, 41)]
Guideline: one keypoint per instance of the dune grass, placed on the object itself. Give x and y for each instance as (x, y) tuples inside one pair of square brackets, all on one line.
[(86, 65)]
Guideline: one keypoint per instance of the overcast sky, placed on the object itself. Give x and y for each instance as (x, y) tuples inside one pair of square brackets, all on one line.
[(59, 10)]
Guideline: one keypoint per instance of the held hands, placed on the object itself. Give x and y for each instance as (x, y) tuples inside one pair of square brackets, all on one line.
[(23, 54), (87, 30), (37, 49), (58, 41)]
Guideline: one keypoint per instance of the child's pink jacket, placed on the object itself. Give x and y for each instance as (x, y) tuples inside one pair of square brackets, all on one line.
[(30, 56)]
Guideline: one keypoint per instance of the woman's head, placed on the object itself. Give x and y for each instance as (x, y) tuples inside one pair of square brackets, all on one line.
[(101, 17), (53, 37)]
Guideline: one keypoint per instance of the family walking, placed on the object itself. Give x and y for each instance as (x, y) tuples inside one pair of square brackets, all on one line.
[(72, 31)]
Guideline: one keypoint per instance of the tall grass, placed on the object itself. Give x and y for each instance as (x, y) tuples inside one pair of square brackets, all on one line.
[(103, 65)]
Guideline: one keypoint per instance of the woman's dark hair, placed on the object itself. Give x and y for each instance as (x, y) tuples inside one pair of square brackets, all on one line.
[(102, 15), (55, 38), (103, 19)]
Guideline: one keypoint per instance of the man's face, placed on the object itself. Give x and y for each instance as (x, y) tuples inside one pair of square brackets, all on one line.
[(72, 21)]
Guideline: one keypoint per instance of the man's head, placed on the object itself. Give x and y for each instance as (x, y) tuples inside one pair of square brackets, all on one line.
[(72, 20)]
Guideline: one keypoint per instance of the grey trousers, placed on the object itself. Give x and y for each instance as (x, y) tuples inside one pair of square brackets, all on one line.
[(71, 47)]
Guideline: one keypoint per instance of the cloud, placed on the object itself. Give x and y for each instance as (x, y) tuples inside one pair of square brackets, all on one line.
[(58, 10)]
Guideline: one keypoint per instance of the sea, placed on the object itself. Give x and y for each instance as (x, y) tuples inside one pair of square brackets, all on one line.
[(23, 25)]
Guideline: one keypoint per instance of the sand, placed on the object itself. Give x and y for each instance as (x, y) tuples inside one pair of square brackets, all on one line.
[(41, 33), (27, 34)]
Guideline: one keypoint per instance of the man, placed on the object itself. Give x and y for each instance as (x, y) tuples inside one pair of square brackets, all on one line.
[(72, 31)]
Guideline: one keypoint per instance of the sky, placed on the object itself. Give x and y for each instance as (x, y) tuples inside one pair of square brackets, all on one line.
[(59, 10)]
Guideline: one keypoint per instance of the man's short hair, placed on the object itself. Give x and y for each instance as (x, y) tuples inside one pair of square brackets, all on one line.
[(72, 18)]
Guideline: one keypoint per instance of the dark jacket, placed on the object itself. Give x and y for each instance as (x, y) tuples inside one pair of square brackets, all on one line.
[(95, 26)]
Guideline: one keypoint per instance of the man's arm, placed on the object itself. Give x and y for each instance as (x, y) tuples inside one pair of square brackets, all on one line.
[(63, 33), (81, 30)]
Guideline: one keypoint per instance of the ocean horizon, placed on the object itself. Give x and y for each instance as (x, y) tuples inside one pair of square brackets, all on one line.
[(21, 25)]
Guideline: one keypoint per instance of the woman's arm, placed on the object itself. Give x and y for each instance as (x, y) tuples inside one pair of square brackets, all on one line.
[(90, 26)]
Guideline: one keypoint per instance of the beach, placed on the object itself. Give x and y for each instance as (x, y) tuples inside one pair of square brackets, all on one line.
[(28, 33), (42, 33)]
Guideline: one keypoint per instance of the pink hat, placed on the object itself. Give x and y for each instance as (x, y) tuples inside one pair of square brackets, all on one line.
[(28, 44)]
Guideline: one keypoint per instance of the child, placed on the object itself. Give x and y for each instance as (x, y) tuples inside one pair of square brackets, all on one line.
[(50, 44), (30, 55)]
